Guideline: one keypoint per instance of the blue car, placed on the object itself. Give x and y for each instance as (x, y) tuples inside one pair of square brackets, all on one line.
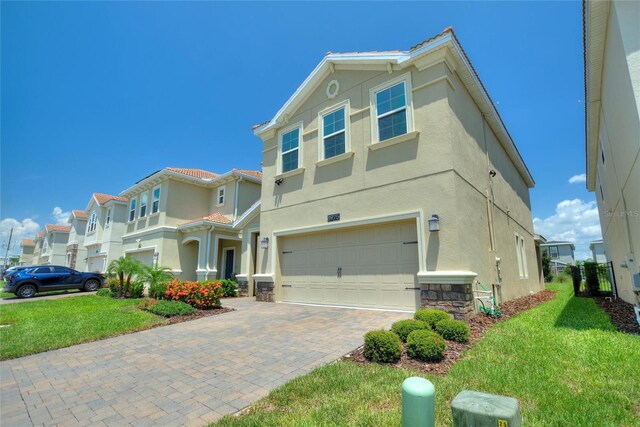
[(27, 282)]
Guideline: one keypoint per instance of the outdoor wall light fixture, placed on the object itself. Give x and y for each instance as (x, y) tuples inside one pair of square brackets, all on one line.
[(155, 258), (264, 243), (434, 223), (279, 181)]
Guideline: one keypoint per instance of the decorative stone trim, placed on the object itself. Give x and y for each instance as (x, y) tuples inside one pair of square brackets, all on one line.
[(455, 299), (265, 292), (243, 288), (73, 250)]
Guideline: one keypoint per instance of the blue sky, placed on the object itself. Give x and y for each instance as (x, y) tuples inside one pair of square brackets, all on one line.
[(96, 96)]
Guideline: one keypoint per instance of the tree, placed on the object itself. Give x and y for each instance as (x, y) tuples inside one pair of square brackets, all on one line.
[(124, 269), (546, 266), (156, 278)]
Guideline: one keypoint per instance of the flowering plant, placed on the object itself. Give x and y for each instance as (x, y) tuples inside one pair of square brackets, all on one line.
[(203, 295)]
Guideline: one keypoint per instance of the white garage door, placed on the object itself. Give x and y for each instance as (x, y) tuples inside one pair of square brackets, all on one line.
[(359, 267), (145, 257)]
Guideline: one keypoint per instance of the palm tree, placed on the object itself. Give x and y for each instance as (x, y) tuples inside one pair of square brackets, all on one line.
[(156, 277), (124, 269)]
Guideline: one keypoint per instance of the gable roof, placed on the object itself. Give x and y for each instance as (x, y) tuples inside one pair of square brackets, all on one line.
[(196, 173), (27, 242), (253, 173), (39, 235), (79, 214), (57, 228), (102, 198), (219, 219), (399, 60), (559, 243)]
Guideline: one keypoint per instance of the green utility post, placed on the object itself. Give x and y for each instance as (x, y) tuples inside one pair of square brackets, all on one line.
[(418, 403)]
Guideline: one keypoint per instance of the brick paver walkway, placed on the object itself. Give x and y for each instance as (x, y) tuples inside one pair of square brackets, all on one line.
[(185, 374)]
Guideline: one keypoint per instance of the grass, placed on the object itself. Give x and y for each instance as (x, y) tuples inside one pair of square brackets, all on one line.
[(46, 325), (564, 361), (39, 294)]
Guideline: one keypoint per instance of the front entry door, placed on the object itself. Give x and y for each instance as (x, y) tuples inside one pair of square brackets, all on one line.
[(229, 255)]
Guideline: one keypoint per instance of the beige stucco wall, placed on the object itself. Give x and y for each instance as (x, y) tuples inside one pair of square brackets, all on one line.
[(248, 194), (26, 255), (444, 171), (619, 175)]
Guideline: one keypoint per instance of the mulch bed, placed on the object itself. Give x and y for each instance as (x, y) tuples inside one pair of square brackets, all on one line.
[(479, 324), (621, 313), (198, 314)]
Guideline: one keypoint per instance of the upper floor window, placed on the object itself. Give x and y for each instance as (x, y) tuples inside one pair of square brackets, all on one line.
[(334, 134), (155, 204), (522, 257), (553, 252), (290, 150), (143, 204), (93, 221), (132, 209), (220, 196), (107, 222), (392, 105)]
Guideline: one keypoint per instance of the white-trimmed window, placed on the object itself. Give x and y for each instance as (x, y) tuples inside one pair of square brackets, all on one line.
[(220, 196), (522, 257), (144, 198), (107, 222), (155, 204), (553, 252), (93, 221), (334, 131), (391, 105), (132, 208), (290, 148)]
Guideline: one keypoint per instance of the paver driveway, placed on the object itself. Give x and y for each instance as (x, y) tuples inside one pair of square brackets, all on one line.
[(185, 374)]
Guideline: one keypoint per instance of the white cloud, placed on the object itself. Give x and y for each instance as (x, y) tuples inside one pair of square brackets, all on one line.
[(574, 220), (577, 179), (60, 216), (25, 229)]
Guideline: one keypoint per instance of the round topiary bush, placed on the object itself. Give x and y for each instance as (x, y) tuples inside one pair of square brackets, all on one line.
[(382, 347), (453, 330), (404, 327), (426, 346), (170, 308), (430, 316)]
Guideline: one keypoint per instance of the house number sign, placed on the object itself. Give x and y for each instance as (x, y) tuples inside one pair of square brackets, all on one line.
[(333, 217)]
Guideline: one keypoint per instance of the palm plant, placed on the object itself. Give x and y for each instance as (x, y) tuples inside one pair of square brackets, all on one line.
[(156, 278), (124, 269)]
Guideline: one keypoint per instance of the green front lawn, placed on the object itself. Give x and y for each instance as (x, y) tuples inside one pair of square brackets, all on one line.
[(564, 361), (46, 325)]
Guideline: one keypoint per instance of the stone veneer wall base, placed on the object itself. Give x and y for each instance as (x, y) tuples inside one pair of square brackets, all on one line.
[(265, 292), (455, 299)]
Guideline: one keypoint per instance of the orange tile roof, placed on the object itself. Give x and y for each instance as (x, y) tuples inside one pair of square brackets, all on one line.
[(214, 217), (80, 214), (40, 234), (28, 242), (253, 173), (54, 227), (196, 173), (104, 198)]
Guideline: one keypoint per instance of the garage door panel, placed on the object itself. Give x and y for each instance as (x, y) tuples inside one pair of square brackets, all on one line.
[(376, 267)]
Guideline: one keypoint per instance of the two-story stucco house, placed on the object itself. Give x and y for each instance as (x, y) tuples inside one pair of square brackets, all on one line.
[(27, 246), (54, 244), (612, 112), (37, 250), (106, 216), (192, 221), (562, 254), (76, 252), (390, 181), (598, 253)]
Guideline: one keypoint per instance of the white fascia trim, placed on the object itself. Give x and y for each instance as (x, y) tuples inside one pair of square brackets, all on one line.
[(150, 231), (143, 249), (446, 277), (248, 215)]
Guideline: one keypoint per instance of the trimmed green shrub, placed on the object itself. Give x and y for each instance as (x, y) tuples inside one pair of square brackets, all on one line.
[(563, 277), (382, 347), (136, 290), (430, 316), (592, 283), (157, 290), (104, 292), (453, 330), (404, 327), (426, 346), (229, 288), (170, 308)]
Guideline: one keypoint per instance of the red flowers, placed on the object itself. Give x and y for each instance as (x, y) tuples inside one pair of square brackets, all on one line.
[(203, 295)]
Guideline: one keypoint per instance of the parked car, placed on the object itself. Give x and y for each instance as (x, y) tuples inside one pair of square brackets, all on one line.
[(14, 268), (27, 282)]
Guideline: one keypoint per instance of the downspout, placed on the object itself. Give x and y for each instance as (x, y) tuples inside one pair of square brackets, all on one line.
[(208, 250), (491, 202)]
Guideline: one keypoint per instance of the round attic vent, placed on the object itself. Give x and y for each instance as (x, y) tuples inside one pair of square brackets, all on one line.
[(332, 89)]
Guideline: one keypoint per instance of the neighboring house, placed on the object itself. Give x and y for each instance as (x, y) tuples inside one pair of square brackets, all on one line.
[(539, 240), (193, 221), (54, 244), (37, 250), (27, 246), (562, 254), (597, 251), (390, 181), (76, 252), (106, 215), (612, 110)]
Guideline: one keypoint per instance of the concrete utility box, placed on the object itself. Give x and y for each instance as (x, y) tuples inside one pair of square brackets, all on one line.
[(476, 409)]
